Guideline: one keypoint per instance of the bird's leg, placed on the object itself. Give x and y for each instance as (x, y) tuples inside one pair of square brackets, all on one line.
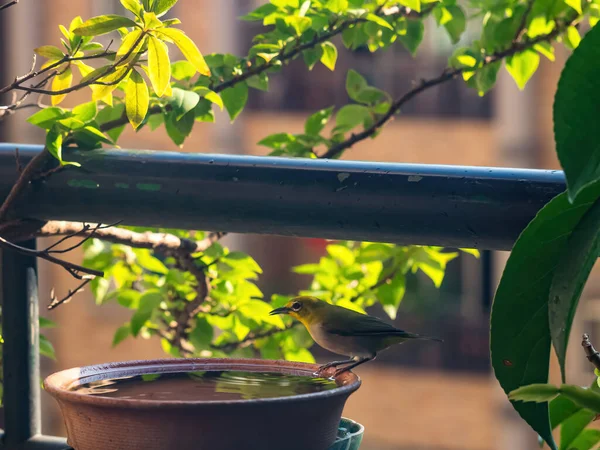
[(352, 366), (333, 364)]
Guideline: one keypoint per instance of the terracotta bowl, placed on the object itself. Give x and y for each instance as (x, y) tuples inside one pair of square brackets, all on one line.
[(298, 422)]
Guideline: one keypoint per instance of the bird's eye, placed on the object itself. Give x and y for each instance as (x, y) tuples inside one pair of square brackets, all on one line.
[(296, 306)]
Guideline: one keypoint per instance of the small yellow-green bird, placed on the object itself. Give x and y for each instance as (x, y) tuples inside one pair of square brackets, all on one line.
[(345, 332)]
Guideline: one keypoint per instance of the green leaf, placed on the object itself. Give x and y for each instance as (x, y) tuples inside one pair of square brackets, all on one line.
[(182, 70), (108, 114), (85, 112), (260, 82), (411, 35), (159, 66), (546, 49), (130, 45), (391, 294), (161, 7), (300, 355), (149, 301), (260, 13), (538, 393), (235, 98), (102, 25), (121, 334), (149, 262), (47, 117), (183, 101), (571, 428), (337, 6), (570, 276), (520, 336), (381, 21), (575, 115), (350, 116), (129, 298), (134, 6), (355, 83), (586, 398), (329, 56), (485, 77), (46, 348), (46, 323), (137, 99), (179, 129), (54, 141), (586, 440), (453, 18), (187, 47), (240, 260), (572, 38), (341, 253), (49, 51), (202, 334), (412, 4), (210, 95), (317, 121), (575, 4), (259, 312), (522, 66), (311, 56)]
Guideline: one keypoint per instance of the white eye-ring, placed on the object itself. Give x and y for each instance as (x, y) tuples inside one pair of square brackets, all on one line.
[(296, 306)]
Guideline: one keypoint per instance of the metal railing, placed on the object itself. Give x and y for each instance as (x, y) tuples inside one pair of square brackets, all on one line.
[(450, 206)]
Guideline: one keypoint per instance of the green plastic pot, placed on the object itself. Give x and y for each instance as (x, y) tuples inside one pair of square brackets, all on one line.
[(350, 434)]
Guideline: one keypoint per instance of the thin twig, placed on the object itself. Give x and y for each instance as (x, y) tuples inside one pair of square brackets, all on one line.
[(87, 230), (73, 269), (8, 5), (523, 24), (447, 75), (54, 302), (284, 55), (590, 352)]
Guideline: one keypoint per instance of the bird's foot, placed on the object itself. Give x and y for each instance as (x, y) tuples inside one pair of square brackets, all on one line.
[(325, 371)]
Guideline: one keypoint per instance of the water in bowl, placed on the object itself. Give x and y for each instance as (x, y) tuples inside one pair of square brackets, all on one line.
[(204, 386)]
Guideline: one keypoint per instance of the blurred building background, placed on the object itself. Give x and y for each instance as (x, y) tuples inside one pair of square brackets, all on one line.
[(418, 397)]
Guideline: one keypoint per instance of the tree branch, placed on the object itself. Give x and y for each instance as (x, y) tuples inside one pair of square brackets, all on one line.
[(447, 75), (154, 241)]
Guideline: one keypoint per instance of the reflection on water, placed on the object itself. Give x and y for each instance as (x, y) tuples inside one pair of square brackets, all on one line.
[(205, 386)]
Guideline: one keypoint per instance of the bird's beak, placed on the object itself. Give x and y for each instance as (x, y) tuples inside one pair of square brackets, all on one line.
[(282, 310)]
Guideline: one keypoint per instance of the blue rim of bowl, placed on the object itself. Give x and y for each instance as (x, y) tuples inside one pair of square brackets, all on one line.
[(352, 435), (61, 390)]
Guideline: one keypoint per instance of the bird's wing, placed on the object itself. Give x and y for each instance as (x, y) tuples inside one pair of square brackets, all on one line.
[(351, 323)]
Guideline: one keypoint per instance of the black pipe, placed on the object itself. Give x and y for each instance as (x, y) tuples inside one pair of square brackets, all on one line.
[(20, 351), (450, 206)]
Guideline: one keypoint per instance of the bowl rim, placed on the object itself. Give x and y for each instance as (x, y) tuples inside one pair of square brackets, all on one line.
[(58, 384)]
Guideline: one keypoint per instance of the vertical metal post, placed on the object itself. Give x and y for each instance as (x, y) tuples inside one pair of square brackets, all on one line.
[(20, 327)]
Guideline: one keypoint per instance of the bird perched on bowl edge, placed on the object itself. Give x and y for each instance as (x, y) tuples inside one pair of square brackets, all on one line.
[(345, 332)]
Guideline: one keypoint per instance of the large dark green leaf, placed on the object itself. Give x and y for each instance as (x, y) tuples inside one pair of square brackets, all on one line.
[(576, 114), (520, 335), (574, 267)]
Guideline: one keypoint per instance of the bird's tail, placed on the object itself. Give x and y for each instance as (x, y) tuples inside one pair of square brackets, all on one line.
[(421, 336)]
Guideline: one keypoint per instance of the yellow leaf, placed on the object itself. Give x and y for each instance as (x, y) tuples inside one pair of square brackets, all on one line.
[(129, 41), (136, 99), (169, 91), (100, 91), (159, 66), (59, 82), (187, 47)]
